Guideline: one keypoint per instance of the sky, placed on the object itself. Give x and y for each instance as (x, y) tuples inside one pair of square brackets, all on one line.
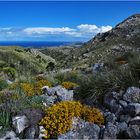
[(61, 20)]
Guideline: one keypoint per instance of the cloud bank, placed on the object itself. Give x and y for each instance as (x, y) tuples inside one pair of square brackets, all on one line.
[(81, 32)]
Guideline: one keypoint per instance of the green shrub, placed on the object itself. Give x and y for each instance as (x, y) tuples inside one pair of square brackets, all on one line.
[(5, 119), (96, 86), (3, 84), (2, 63), (11, 72)]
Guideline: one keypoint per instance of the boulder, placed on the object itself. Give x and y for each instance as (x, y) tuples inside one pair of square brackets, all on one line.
[(32, 132), (62, 92), (133, 131), (20, 123), (110, 117), (132, 95), (9, 135), (98, 67), (135, 121), (34, 115), (82, 130), (125, 118), (122, 126), (132, 109), (112, 104), (110, 131), (123, 103)]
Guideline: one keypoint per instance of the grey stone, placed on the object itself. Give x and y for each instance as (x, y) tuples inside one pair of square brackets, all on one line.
[(20, 123), (31, 132), (132, 109), (34, 115), (125, 118), (62, 92), (111, 118), (135, 120), (110, 131), (112, 104), (116, 95), (123, 103), (121, 127), (82, 130), (98, 67), (133, 131), (132, 95), (9, 135), (41, 132)]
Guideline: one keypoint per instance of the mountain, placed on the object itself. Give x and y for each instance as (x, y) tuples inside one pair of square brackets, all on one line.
[(123, 37)]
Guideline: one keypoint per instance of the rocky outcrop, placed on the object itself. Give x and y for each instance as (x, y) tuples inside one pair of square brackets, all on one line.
[(122, 118), (82, 130), (20, 123), (132, 95), (126, 124)]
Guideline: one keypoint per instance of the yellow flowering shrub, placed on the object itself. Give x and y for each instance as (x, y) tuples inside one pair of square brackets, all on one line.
[(92, 115), (40, 84), (39, 77), (28, 89), (58, 118), (69, 85)]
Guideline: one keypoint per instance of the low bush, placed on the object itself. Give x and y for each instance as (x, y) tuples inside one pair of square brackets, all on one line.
[(69, 85), (5, 119), (58, 118), (11, 72), (3, 84), (27, 89), (40, 84)]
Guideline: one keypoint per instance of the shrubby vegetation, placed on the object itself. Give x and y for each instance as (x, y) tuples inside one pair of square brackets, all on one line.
[(58, 118)]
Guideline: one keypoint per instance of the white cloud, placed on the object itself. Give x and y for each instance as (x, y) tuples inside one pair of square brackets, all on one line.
[(47, 30), (89, 28), (83, 31)]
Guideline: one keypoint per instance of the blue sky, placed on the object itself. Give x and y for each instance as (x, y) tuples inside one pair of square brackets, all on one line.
[(61, 21)]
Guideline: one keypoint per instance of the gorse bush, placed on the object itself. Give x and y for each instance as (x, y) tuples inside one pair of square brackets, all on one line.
[(40, 84), (69, 85), (27, 89), (58, 118), (92, 115), (71, 76), (30, 89)]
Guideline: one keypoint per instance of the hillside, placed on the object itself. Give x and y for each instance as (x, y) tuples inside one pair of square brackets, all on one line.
[(58, 53), (24, 61), (122, 38)]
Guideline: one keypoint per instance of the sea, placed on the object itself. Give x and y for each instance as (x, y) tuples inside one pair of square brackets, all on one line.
[(35, 44)]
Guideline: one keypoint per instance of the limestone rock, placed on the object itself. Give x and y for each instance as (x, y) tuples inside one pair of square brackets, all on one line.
[(133, 131), (82, 130), (132, 95), (20, 123), (135, 120), (9, 135), (132, 109), (110, 131)]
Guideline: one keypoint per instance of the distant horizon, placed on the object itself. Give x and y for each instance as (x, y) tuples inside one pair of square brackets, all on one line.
[(37, 44), (67, 21)]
